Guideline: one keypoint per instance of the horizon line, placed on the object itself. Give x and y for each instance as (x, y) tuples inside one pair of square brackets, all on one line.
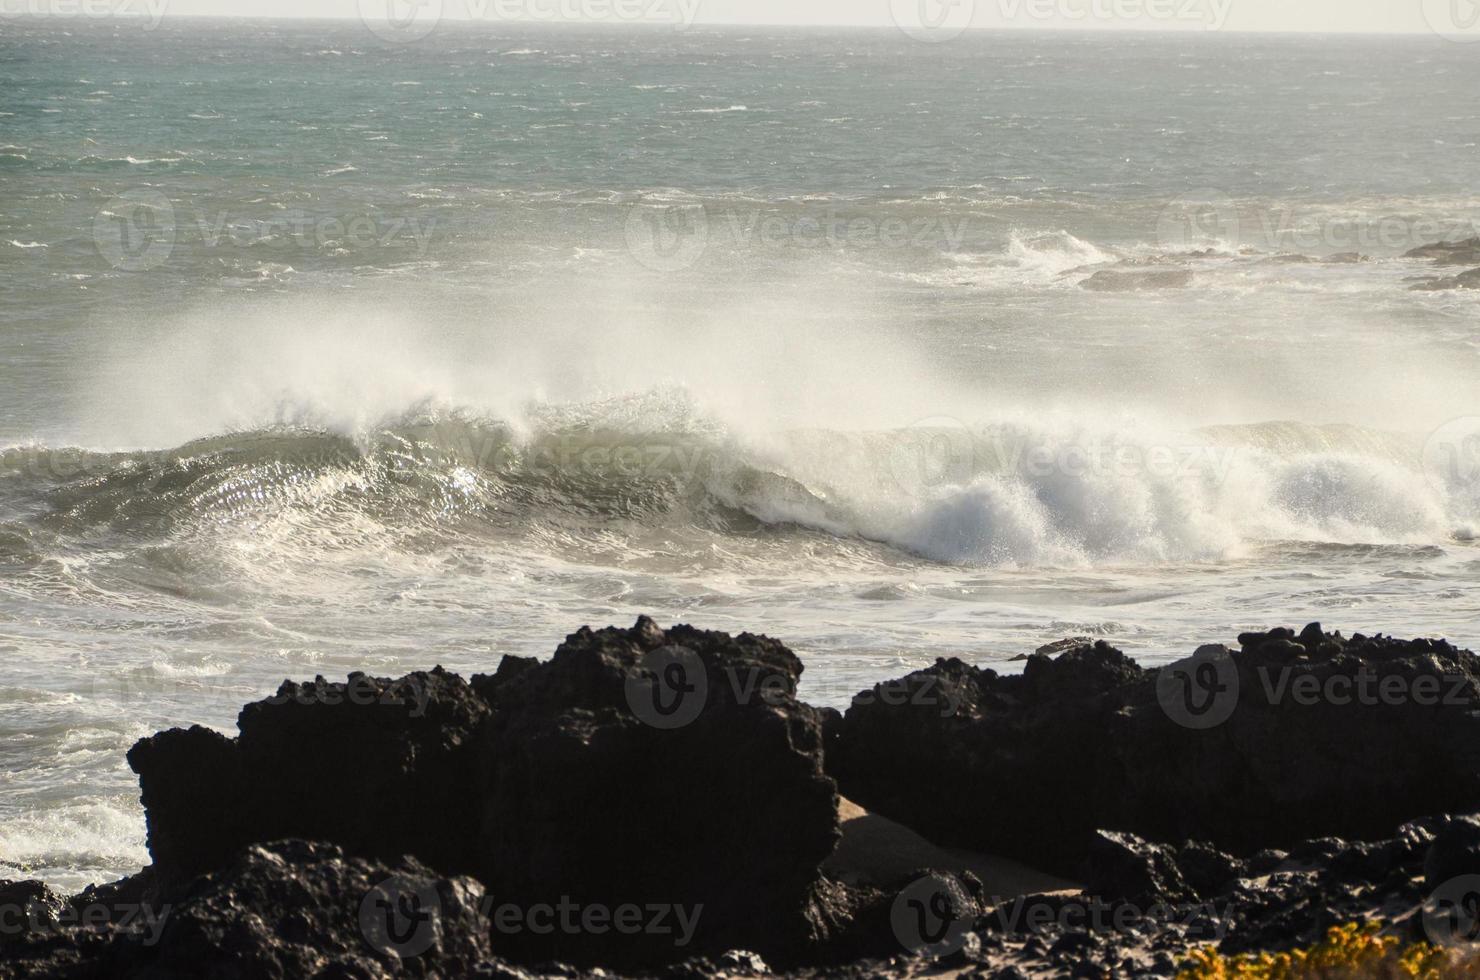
[(564, 23)]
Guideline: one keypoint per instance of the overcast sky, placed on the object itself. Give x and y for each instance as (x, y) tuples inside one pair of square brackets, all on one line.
[(1393, 16)]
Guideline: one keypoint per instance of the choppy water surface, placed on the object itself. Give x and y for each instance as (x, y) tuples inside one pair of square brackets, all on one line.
[(319, 353)]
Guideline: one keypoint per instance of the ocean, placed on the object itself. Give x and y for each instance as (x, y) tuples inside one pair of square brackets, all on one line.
[(324, 352)]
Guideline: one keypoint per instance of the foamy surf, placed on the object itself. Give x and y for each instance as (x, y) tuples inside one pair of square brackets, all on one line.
[(433, 372)]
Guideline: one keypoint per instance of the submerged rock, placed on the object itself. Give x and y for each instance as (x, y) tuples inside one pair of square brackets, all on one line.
[(1108, 281), (1465, 280), (1464, 252)]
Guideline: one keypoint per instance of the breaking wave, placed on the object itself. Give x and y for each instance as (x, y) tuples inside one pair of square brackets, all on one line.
[(1009, 493)]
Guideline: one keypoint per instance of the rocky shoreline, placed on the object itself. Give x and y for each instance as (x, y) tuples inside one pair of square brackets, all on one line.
[(661, 803)]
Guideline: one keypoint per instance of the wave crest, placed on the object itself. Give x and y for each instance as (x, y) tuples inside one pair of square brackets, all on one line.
[(1016, 492)]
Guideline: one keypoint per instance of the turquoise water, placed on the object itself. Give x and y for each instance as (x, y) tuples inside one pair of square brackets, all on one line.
[(321, 353)]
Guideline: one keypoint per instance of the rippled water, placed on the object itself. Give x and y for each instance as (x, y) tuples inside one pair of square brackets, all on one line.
[(319, 353)]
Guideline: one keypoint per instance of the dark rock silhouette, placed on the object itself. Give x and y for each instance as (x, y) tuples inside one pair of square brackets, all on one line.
[(1465, 280), (285, 909), (1108, 281), (1244, 798), (1464, 252), (674, 768), (382, 768), (584, 779), (1301, 741)]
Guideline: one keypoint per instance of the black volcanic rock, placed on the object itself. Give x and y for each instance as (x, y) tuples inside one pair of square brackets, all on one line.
[(1122, 866), (282, 910), (381, 767), (291, 908), (1292, 737), (1455, 851), (28, 906), (669, 769), (194, 793), (1246, 798), (1003, 764), (587, 781)]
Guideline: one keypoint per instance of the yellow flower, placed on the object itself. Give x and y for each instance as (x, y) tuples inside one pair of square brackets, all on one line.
[(1356, 951)]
